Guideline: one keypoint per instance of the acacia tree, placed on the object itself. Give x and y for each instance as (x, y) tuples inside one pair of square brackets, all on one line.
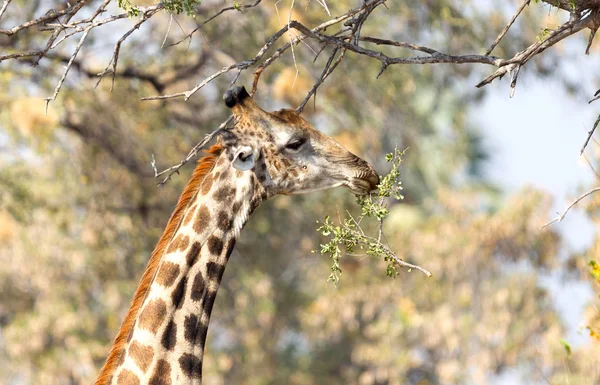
[(73, 21), (274, 314)]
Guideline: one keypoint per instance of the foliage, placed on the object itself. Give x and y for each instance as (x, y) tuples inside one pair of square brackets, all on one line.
[(175, 6), (350, 235), (178, 6), (131, 9), (80, 212)]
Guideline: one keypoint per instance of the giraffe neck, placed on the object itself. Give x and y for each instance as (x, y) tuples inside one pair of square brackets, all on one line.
[(166, 344)]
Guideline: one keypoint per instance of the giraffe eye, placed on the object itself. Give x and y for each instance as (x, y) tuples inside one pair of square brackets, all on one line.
[(295, 144)]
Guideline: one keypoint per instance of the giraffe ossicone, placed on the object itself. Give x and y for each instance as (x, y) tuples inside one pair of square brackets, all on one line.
[(161, 340)]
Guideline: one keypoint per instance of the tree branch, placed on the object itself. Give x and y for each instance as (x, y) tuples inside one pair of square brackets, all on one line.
[(507, 27), (193, 152), (4, 6), (560, 217)]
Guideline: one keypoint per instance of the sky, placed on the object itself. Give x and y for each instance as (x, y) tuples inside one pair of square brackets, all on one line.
[(534, 140)]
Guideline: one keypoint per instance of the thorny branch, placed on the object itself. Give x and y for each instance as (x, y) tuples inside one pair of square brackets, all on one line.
[(191, 155), (507, 27), (560, 217), (63, 24)]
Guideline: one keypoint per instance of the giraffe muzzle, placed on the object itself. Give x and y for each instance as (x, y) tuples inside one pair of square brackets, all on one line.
[(363, 180)]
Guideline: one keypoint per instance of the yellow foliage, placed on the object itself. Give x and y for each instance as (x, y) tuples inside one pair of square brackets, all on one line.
[(292, 87), (30, 117), (7, 227)]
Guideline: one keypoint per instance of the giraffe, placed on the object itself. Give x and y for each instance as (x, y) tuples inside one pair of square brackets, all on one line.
[(161, 341)]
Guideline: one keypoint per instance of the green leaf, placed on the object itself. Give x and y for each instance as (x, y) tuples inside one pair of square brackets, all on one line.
[(567, 347)]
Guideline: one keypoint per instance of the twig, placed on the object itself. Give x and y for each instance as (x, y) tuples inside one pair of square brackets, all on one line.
[(591, 166), (193, 152), (410, 266), (115, 57), (329, 68), (560, 217), (414, 47), (223, 10), (324, 5), (595, 15), (59, 29), (4, 6), (292, 45), (590, 133), (565, 30), (514, 74), (243, 65), (68, 67), (507, 27), (168, 30), (392, 255), (39, 20), (596, 96), (590, 40)]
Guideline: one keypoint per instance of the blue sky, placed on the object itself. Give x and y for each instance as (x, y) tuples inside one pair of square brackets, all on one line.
[(534, 139)]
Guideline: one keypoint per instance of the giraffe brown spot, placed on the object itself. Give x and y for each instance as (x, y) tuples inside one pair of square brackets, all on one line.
[(214, 271), (225, 173), (185, 242), (224, 222), (202, 219), (193, 253), (167, 273), (190, 325), (286, 162), (254, 203), (216, 176), (181, 242), (178, 293), (141, 355), (153, 314), (235, 208), (224, 193), (122, 353), (215, 245), (294, 172), (126, 377), (263, 166), (198, 287), (169, 337), (191, 365), (230, 246), (209, 300), (130, 335), (162, 374), (207, 184), (195, 331), (189, 215)]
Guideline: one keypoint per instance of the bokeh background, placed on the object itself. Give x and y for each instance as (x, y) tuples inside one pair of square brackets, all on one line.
[(509, 303)]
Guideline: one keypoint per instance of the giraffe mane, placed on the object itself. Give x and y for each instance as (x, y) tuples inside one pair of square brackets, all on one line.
[(204, 166)]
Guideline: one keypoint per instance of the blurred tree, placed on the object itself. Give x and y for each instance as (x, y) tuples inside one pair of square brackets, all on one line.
[(80, 214)]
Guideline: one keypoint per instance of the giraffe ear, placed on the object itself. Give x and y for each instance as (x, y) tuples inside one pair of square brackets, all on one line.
[(245, 158)]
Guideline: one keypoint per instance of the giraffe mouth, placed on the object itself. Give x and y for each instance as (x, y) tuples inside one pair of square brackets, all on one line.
[(364, 182)]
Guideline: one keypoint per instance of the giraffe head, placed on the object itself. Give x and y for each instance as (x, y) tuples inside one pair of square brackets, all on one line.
[(287, 154)]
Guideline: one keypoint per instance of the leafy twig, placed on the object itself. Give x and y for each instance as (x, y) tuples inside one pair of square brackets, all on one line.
[(350, 236)]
